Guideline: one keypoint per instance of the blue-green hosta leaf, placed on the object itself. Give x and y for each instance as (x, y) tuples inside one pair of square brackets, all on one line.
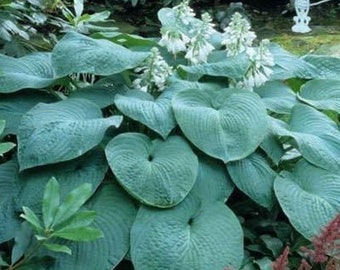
[(316, 136), (213, 182), (31, 71), (89, 168), (273, 147), (321, 94), (177, 85), (2, 125), (327, 66), (190, 236), (158, 173), (9, 219), (115, 215), (167, 17), (254, 177), (156, 114), (310, 197), (76, 53), (22, 241), (277, 96), (288, 65), (103, 92), (233, 67), (14, 106), (9, 209), (50, 133), (228, 124), (9, 186)]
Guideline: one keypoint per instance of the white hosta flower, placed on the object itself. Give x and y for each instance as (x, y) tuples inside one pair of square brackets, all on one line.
[(207, 27), (261, 61), (184, 12), (237, 37), (174, 41), (153, 74), (199, 48), (198, 51)]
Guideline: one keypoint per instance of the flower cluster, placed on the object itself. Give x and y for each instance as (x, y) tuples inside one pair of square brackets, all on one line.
[(261, 61), (184, 12), (326, 244), (174, 40), (153, 74), (191, 39), (199, 48), (281, 263), (237, 39)]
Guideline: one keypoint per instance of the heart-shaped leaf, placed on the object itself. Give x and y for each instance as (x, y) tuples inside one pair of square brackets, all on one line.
[(50, 133), (316, 136), (31, 71), (228, 124), (189, 236), (327, 66), (142, 107), (76, 53), (321, 94), (288, 65), (158, 173), (254, 177), (277, 97), (213, 181), (310, 197), (14, 106), (115, 215)]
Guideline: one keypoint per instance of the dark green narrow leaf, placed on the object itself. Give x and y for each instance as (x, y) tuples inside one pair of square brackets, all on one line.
[(79, 234), (31, 218), (51, 201), (5, 147), (72, 203), (80, 219), (58, 248)]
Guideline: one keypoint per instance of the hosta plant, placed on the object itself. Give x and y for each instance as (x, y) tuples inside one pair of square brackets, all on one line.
[(199, 153)]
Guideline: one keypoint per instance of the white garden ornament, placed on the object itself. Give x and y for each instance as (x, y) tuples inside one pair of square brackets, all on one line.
[(302, 19)]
